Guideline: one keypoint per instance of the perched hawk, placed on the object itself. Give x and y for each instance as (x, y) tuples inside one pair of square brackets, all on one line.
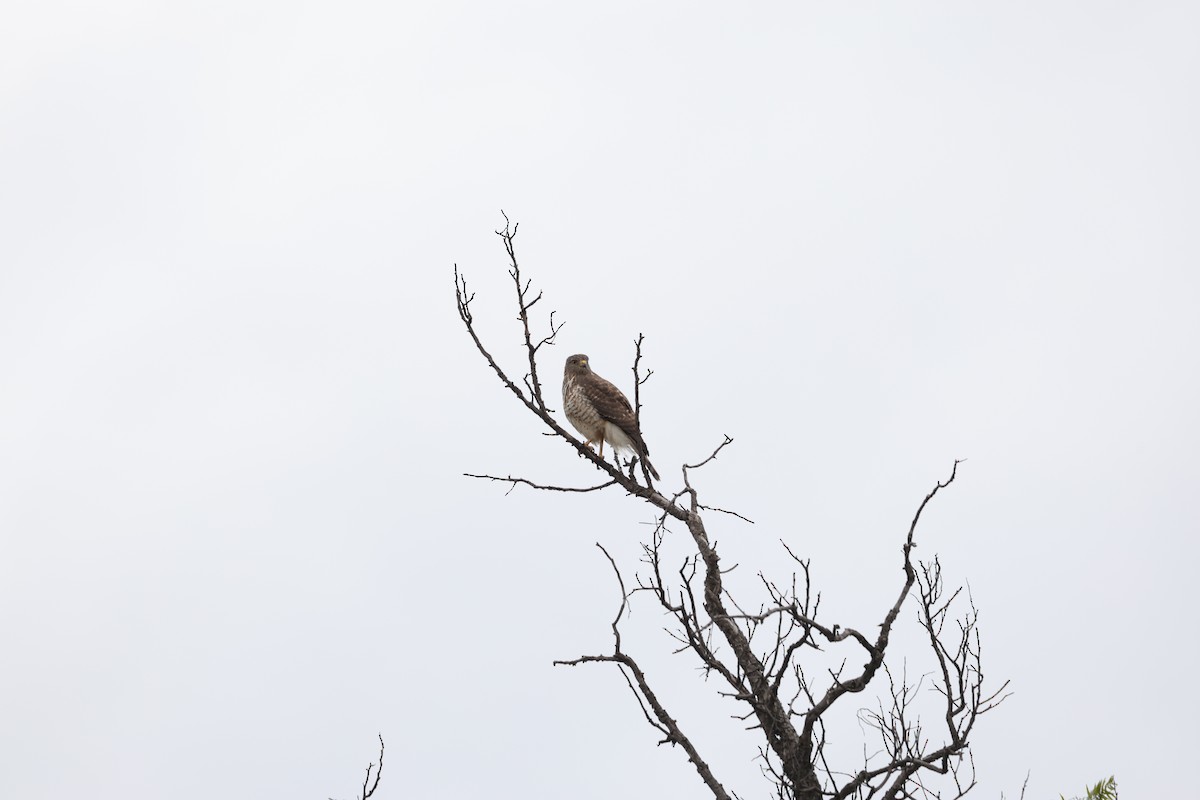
[(600, 412)]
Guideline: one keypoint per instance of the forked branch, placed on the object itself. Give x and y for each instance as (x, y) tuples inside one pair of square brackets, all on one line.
[(656, 714), (369, 786)]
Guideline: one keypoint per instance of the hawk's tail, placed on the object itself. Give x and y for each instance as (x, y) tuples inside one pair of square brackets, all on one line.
[(649, 466)]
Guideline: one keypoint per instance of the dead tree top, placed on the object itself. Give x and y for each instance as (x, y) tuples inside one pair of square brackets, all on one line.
[(786, 703)]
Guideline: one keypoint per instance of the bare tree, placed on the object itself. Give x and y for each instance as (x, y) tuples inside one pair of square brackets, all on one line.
[(369, 786), (760, 657)]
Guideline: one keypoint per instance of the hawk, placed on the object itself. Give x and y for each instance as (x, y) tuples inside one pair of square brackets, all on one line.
[(600, 412)]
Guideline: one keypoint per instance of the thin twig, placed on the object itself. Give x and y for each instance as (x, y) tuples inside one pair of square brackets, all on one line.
[(544, 487)]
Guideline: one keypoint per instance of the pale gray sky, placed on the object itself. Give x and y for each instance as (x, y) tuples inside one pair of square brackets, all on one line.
[(862, 239)]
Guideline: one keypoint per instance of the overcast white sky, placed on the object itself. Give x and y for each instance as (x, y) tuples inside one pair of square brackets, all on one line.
[(863, 239)]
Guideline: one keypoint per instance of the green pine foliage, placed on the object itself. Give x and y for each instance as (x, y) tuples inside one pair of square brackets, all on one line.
[(1104, 790)]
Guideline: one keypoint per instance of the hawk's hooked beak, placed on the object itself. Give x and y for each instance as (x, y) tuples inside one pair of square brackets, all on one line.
[(583, 363)]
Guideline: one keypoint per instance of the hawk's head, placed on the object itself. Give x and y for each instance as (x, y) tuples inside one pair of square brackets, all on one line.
[(577, 365)]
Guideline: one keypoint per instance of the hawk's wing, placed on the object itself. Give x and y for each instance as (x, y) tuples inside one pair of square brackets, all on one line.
[(613, 406), (611, 403)]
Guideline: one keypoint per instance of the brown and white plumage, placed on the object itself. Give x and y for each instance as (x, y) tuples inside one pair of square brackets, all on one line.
[(600, 411)]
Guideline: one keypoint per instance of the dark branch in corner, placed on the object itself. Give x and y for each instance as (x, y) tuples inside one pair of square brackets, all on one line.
[(369, 786), (378, 774)]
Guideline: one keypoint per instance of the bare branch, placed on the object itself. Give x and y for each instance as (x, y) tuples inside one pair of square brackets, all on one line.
[(378, 774), (464, 312), (725, 511), (524, 304), (369, 787), (665, 723), (638, 380), (544, 487), (720, 447), (857, 684)]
